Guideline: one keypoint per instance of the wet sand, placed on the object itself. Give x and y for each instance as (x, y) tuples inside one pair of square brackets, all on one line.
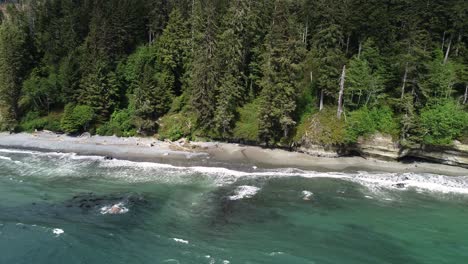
[(209, 154)]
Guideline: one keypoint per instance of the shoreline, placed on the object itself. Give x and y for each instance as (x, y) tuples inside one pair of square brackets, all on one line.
[(210, 154)]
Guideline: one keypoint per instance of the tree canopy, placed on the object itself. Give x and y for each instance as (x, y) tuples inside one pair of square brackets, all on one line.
[(256, 71)]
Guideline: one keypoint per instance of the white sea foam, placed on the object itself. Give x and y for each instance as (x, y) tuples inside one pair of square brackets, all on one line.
[(171, 261), (244, 191), (17, 151), (223, 176), (178, 240), (118, 208), (306, 195), (275, 253), (58, 231), (5, 158)]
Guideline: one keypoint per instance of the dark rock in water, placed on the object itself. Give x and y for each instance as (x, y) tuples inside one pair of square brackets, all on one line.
[(400, 185), (93, 201), (108, 158)]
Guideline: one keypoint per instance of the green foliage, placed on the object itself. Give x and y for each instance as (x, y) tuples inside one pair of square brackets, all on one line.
[(176, 126), (33, 121), (364, 81), (365, 122), (100, 89), (173, 52), (246, 127), (282, 68), (235, 69), (121, 124), (233, 43), (328, 57), (442, 123), (440, 77), (322, 128), (41, 90), (77, 119), (14, 63), (203, 72)]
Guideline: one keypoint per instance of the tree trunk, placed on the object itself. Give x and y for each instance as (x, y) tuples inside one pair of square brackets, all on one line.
[(192, 29), (404, 81), (340, 95), (321, 100), (359, 50), (448, 51), (347, 45), (465, 97), (443, 42), (304, 38), (458, 44)]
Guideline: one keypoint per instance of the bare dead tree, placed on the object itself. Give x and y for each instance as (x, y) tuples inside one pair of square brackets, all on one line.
[(340, 95), (347, 45), (359, 50), (448, 51), (321, 100), (443, 41), (405, 76), (465, 97)]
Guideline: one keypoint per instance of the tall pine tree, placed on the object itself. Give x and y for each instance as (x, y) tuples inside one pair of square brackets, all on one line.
[(281, 71)]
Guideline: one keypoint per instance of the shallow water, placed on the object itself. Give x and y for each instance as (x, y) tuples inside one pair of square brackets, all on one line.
[(51, 211)]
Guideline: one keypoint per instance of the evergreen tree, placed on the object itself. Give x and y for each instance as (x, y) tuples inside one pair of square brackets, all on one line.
[(232, 57), (14, 65), (329, 60), (42, 90), (203, 70), (100, 89), (440, 77), (281, 71), (152, 101), (364, 79), (173, 52)]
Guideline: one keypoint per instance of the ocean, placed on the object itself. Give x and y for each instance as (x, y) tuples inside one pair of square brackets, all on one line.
[(57, 208)]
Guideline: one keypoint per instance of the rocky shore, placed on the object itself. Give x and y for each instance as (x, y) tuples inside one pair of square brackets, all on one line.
[(377, 154), (383, 147), (374, 154)]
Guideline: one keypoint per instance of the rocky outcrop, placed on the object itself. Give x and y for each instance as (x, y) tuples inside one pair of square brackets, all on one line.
[(378, 146), (456, 155), (320, 151), (383, 147)]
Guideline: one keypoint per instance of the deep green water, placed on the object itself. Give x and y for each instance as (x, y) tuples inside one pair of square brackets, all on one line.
[(202, 215)]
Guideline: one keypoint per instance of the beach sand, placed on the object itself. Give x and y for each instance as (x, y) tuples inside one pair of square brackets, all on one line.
[(217, 154)]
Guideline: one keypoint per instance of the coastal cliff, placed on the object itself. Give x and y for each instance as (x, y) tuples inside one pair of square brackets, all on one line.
[(383, 147)]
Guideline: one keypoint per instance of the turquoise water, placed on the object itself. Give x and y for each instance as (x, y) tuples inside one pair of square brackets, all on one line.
[(214, 215)]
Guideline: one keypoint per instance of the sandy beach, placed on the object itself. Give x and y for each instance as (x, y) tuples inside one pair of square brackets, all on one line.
[(186, 153)]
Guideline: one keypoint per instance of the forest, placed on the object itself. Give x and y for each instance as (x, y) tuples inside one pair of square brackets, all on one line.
[(272, 72)]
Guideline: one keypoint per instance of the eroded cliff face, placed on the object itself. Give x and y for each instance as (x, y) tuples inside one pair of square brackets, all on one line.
[(383, 147), (378, 146), (456, 155)]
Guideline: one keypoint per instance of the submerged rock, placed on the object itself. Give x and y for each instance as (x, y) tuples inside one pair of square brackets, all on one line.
[(400, 185), (116, 203)]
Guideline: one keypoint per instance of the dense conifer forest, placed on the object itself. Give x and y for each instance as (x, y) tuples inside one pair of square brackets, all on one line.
[(275, 72)]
